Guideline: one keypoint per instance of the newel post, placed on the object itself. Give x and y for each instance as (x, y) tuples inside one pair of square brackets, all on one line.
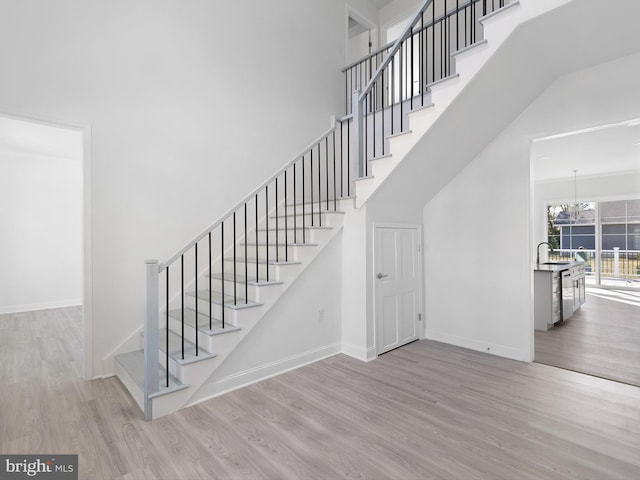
[(151, 327), (357, 167)]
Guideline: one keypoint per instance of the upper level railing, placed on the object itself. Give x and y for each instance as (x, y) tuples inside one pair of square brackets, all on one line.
[(421, 56), (216, 268), (358, 73)]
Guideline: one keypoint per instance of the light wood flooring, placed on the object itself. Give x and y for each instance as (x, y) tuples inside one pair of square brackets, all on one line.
[(424, 411), (602, 338)]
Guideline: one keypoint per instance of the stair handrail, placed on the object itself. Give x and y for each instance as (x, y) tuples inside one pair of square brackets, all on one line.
[(359, 98), (369, 104), (396, 46), (368, 56), (247, 198)]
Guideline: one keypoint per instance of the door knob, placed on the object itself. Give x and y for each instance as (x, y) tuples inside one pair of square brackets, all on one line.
[(382, 276)]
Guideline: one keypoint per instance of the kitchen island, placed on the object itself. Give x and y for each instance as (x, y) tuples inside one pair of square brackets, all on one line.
[(559, 290)]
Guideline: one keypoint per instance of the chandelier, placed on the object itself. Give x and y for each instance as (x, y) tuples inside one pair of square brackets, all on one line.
[(575, 210)]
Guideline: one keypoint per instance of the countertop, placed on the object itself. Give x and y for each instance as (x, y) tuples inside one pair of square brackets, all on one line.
[(557, 267)]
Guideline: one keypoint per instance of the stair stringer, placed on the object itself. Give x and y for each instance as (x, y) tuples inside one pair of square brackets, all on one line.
[(497, 27), (215, 385)]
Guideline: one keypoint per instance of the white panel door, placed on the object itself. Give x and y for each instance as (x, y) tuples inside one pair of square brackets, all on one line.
[(398, 283)]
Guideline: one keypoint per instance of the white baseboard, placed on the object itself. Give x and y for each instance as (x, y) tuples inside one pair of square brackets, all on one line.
[(477, 345), (40, 306), (257, 374), (359, 353)]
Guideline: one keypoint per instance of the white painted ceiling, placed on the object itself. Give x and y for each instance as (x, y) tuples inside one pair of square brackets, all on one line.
[(380, 3), (19, 136), (603, 150), (356, 28)]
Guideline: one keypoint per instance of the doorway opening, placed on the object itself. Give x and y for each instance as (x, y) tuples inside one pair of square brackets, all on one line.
[(398, 285), (586, 205), (44, 246), (362, 37)]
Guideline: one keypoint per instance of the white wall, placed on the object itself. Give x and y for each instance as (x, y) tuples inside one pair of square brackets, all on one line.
[(191, 105), (357, 321), (478, 287), (394, 12), (41, 239), (358, 46)]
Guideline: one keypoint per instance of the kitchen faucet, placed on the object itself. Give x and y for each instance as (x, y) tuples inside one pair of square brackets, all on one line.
[(538, 251)]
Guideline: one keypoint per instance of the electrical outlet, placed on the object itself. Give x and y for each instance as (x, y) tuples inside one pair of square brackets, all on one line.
[(321, 315)]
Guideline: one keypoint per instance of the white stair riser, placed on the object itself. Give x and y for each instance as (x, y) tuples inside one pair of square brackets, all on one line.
[(399, 146), (166, 404), (231, 314), (251, 268), (204, 341), (324, 219), (251, 290), (446, 91), (364, 189), (295, 252), (257, 293), (421, 120), (308, 235), (282, 249), (320, 235), (266, 293), (191, 374), (276, 272), (307, 207), (281, 235), (471, 60), (382, 167)]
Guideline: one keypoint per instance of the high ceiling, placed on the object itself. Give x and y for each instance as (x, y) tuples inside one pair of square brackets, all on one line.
[(380, 3), (603, 150), (19, 136)]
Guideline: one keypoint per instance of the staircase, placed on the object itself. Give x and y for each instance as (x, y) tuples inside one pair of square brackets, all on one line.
[(206, 299)]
